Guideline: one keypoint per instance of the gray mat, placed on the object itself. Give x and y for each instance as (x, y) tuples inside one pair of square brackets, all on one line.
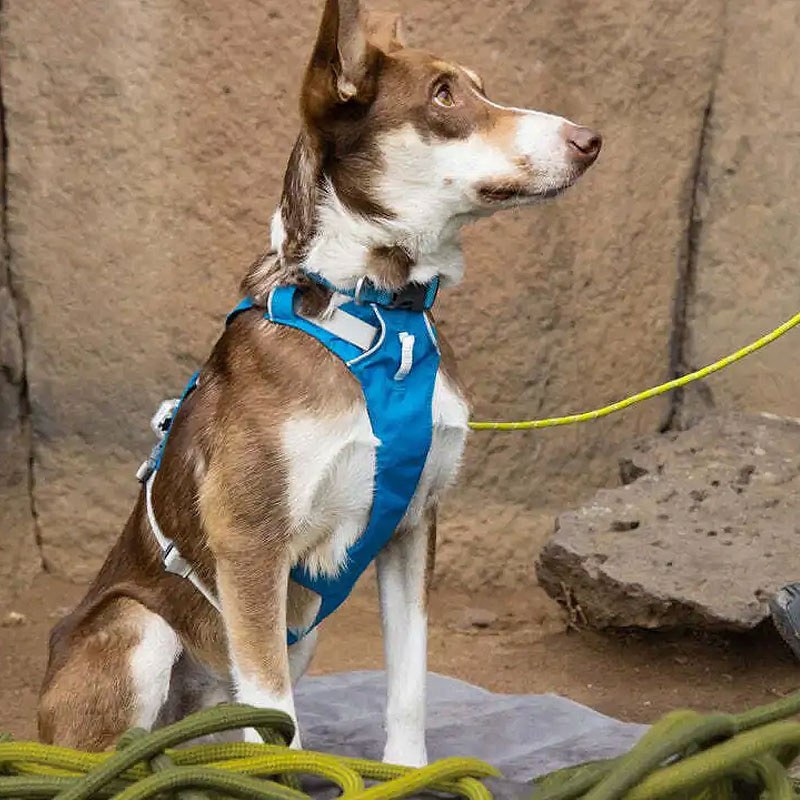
[(522, 735)]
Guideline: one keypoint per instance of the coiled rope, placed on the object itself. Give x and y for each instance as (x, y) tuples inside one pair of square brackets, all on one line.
[(690, 755), (146, 764), (684, 755)]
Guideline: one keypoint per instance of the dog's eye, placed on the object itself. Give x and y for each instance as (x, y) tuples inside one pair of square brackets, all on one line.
[(443, 96)]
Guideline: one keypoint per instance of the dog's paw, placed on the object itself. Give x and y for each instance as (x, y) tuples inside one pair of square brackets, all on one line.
[(405, 755)]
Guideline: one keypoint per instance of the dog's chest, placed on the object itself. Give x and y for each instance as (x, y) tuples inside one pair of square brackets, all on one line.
[(331, 475)]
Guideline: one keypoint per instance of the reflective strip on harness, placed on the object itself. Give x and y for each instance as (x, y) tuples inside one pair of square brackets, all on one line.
[(346, 326)]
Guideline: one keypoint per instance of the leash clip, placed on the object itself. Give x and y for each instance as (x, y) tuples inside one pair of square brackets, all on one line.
[(414, 297)]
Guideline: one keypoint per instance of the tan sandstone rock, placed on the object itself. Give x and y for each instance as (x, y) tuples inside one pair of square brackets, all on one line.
[(747, 273), (19, 556)]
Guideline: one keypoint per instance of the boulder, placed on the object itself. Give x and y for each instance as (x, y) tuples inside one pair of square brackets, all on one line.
[(706, 529)]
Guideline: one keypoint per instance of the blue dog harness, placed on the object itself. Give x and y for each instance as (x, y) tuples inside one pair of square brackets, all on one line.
[(388, 343)]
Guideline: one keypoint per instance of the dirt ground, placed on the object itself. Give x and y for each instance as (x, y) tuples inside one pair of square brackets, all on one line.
[(507, 641)]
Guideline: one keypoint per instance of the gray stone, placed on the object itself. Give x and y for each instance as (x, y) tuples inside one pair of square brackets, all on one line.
[(13, 619), (19, 557), (706, 531)]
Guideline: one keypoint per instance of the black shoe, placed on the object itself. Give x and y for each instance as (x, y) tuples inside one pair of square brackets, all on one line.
[(785, 610)]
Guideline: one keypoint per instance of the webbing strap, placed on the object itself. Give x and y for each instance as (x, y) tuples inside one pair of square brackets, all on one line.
[(171, 557)]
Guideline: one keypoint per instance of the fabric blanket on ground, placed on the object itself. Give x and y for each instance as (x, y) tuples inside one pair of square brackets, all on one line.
[(522, 735)]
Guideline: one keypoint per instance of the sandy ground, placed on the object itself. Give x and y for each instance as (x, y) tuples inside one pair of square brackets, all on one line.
[(524, 647)]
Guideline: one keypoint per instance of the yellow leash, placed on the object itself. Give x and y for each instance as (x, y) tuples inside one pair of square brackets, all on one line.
[(527, 425)]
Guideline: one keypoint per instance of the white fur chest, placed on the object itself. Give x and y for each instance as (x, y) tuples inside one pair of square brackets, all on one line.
[(331, 474)]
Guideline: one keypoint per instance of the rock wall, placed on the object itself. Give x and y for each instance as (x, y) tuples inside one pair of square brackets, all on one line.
[(146, 142), (747, 223), (19, 558)]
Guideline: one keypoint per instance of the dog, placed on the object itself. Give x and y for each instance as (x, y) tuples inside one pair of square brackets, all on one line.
[(270, 462)]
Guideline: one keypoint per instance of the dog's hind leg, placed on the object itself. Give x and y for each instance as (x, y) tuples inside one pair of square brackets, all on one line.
[(109, 673), (302, 608), (404, 569)]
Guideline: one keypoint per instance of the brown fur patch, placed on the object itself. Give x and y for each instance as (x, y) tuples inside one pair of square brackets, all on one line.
[(266, 271), (299, 200), (475, 78), (270, 271), (89, 697), (252, 587), (503, 129), (389, 267)]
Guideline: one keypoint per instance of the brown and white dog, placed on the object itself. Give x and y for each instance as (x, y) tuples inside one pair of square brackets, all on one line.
[(270, 461)]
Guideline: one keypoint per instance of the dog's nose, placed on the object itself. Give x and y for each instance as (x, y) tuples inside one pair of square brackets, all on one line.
[(584, 144)]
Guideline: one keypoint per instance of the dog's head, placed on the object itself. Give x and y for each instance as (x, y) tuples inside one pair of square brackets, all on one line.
[(399, 148)]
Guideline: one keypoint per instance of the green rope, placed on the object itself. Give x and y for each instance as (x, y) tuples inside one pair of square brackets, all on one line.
[(684, 756), (688, 755), (159, 763), (210, 720), (144, 765)]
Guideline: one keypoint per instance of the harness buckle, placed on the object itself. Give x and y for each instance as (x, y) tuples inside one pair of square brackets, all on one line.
[(413, 297), (146, 469), (162, 419), (160, 425), (174, 562)]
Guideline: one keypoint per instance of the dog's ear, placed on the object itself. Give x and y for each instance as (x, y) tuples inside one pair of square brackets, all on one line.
[(341, 62), (385, 31), (341, 76)]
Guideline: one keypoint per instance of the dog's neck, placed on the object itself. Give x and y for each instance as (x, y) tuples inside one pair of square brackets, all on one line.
[(347, 247)]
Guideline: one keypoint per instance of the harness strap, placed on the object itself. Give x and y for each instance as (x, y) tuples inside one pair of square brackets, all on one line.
[(413, 297), (171, 557), (347, 327), (406, 355)]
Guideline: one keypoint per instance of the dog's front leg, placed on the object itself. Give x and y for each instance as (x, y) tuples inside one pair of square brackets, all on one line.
[(253, 596), (404, 568)]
